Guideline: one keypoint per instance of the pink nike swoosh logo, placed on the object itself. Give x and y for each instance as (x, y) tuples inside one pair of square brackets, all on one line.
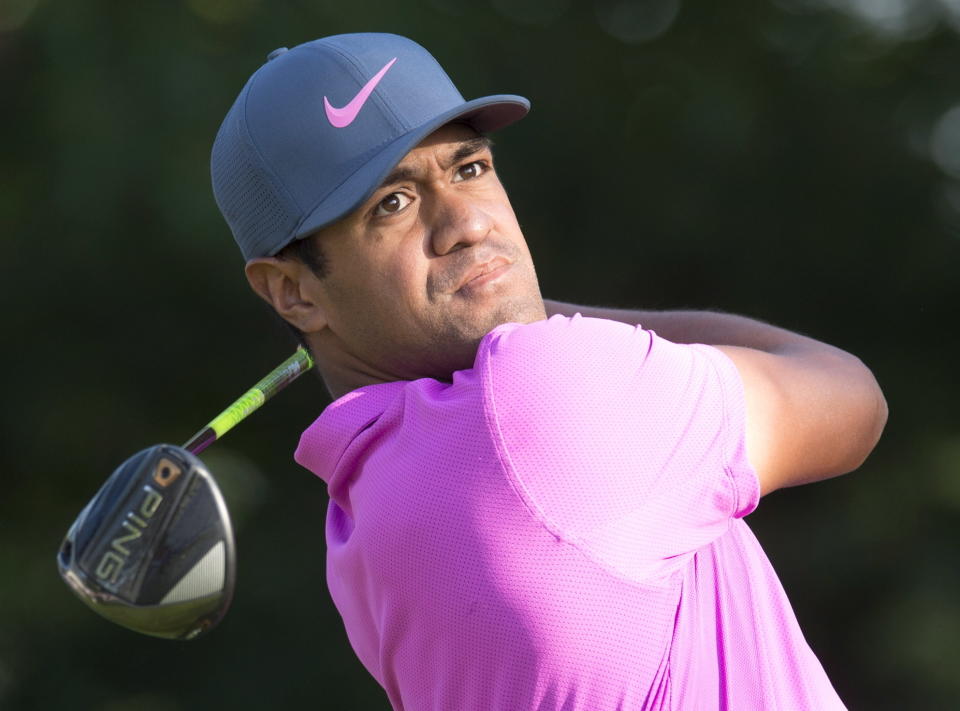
[(341, 118)]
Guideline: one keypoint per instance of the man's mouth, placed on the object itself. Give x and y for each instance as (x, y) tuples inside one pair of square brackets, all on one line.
[(484, 273)]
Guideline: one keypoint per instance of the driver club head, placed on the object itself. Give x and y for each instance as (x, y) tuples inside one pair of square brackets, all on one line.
[(154, 550)]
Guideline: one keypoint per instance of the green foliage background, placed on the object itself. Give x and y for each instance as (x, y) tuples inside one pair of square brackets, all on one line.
[(795, 160)]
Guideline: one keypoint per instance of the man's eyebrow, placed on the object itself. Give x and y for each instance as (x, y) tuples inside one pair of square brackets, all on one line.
[(466, 149), (398, 175)]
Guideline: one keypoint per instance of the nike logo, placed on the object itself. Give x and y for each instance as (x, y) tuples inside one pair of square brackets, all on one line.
[(341, 118)]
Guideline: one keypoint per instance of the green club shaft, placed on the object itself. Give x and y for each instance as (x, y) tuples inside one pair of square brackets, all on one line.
[(272, 383)]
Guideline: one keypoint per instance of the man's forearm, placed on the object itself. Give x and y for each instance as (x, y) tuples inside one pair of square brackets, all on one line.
[(712, 328)]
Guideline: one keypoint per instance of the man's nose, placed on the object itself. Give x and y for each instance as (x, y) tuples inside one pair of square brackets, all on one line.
[(459, 221)]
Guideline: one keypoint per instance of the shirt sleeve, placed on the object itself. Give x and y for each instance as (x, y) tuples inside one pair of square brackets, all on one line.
[(620, 442)]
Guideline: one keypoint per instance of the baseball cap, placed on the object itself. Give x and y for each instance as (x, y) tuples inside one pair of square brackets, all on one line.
[(317, 128)]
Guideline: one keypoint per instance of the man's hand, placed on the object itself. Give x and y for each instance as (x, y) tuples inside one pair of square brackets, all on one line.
[(813, 411)]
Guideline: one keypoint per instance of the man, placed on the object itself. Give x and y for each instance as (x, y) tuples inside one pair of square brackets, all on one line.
[(530, 508)]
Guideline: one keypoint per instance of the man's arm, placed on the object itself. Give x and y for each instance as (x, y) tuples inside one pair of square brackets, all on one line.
[(813, 411)]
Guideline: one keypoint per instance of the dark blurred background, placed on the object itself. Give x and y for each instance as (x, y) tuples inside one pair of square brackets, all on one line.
[(793, 160)]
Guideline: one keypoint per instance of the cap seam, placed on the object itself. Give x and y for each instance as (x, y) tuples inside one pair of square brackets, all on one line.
[(275, 180)]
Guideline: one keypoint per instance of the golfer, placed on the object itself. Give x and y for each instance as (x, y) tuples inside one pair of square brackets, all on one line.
[(533, 505)]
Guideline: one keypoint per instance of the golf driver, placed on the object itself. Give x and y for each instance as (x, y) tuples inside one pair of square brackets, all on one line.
[(154, 550)]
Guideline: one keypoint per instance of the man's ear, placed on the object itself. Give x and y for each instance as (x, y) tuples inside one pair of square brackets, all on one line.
[(290, 288)]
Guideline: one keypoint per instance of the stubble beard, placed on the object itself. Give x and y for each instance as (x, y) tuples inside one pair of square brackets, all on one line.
[(454, 340)]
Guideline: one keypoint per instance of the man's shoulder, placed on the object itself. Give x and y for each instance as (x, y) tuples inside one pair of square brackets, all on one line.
[(558, 342), (572, 367)]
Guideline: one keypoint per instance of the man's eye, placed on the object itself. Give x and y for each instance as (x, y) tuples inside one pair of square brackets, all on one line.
[(471, 170), (394, 202)]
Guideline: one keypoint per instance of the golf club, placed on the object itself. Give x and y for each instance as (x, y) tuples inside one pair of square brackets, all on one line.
[(154, 550)]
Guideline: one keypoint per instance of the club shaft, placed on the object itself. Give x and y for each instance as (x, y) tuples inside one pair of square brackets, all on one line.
[(272, 383)]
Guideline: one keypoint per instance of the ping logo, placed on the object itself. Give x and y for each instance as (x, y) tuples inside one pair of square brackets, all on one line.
[(133, 525)]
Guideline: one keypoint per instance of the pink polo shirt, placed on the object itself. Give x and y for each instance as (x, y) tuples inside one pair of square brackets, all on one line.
[(559, 528)]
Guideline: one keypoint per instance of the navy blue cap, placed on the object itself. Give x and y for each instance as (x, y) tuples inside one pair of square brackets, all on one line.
[(318, 127)]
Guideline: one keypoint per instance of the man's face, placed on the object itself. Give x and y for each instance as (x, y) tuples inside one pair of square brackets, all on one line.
[(427, 266)]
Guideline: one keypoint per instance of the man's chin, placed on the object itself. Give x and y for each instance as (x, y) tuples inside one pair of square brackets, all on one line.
[(526, 310), (462, 347)]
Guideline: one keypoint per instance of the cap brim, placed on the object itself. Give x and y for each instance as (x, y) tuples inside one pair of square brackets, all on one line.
[(489, 113)]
